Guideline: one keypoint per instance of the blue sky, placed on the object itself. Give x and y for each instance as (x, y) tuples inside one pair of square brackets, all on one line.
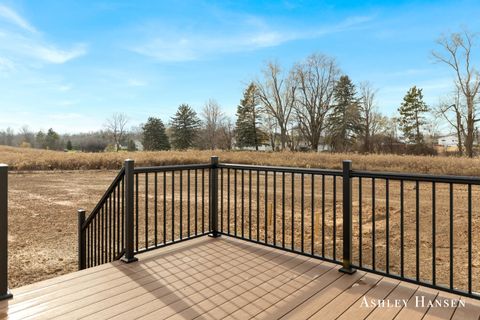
[(70, 64)]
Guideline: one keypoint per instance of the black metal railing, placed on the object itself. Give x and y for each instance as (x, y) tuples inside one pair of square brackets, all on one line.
[(171, 204), (101, 235), (281, 207), (146, 208), (418, 228), (422, 229)]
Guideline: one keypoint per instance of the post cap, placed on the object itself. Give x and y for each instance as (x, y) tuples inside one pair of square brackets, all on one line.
[(214, 159), (3, 165)]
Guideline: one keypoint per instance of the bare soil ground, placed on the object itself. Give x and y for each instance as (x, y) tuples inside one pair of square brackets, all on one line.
[(43, 220)]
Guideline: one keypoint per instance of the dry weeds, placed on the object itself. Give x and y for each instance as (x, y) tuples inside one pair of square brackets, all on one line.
[(33, 159)]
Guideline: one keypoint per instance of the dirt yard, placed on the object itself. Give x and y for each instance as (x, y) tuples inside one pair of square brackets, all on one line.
[(43, 220)]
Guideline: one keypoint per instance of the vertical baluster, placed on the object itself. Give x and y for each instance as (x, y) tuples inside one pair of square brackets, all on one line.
[(387, 225), (470, 238), (156, 209), (118, 215), (373, 223), (250, 204), (434, 258), (360, 233), (95, 242), (293, 211), (102, 239), (164, 207), (258, 206), (146, 210), (114, 225), (203, 201), (173, 206), (274, 208), (110, 229), (136, 212), (181, 204), (228, 200), (323, 215), (334, 218), (221, 199), (266, 206), (451, 235), (243, 204), (312, 212), (283, 209), (188, 204), (302, 223), (417, 230), (235, 202), (401, 230), (196, 202), (123, 214)]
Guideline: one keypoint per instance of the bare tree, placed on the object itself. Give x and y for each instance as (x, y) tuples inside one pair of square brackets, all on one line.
[(270, 127), (116, 128), (457, 53), (369, 114), (277, 94), (27, 136), (454, 113), (315, 78), (226, 133), (213, 119)]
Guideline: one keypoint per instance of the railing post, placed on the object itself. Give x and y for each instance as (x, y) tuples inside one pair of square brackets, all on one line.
[(213, 197), (347, 218), (4, 292), (129, 224), (82, 244)]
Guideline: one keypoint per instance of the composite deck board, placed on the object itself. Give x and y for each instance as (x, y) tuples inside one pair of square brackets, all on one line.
[(207, 278)]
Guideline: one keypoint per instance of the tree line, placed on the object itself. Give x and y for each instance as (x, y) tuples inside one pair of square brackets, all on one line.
[(312, 105)]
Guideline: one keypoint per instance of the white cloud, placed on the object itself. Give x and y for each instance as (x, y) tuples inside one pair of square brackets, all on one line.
[(24, 45), (55, 55), (11, 16), (181, 46)]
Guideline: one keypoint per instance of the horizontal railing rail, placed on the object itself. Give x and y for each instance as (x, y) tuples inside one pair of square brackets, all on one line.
[(414, 227), (417, 177), (281, 169)]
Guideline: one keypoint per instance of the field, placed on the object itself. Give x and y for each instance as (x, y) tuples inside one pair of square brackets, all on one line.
[(46, 189)]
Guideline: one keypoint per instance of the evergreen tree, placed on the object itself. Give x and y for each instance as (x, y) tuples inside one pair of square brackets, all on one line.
[(344, 122), (247, 132), (69, 145), (131, 145), (411, 115), (185, 125), (154, 136), (40, 140), (51, 139)]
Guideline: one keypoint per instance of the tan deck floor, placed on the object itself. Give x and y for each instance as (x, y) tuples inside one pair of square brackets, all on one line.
[(220, 278)]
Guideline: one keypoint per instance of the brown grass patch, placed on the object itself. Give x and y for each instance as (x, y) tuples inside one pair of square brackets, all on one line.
[(33, 159)]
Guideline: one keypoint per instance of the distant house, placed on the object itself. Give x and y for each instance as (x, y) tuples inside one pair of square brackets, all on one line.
[(450, 140)]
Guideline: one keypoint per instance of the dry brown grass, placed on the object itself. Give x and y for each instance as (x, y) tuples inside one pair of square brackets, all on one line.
[(32, 159)]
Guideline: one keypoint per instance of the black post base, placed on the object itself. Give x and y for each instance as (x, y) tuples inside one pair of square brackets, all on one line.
[(349, 270), (6, 296), (214, 235), (124, 259)]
